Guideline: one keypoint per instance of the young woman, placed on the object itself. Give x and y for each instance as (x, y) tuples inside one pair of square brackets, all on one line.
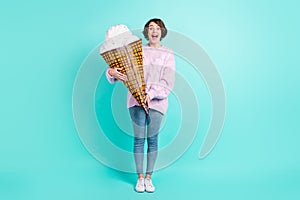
[(159, 74)]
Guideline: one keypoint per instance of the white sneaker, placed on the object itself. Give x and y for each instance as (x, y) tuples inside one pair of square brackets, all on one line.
[(140, 185), (148, 185)]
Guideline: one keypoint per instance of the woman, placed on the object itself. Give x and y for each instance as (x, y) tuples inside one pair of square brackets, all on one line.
[(159, 74)]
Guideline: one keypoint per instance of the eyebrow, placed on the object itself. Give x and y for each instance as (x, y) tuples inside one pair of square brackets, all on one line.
[(153, 25)]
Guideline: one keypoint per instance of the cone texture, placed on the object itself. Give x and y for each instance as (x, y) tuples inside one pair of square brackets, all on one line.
[(130, 59)]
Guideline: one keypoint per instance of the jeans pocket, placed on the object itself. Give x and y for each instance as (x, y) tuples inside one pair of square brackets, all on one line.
[(132, 112)]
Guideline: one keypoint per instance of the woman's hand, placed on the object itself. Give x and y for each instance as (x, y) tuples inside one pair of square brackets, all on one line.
[(116, 74), (147, 100)]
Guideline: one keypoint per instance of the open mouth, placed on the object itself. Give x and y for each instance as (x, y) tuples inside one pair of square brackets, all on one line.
[(154, 36)]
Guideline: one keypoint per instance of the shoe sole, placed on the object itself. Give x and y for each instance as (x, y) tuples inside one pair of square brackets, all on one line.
[(149, 191), (139, 191)]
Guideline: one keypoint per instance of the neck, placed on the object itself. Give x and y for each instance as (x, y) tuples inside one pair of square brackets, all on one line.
[(154, 45)]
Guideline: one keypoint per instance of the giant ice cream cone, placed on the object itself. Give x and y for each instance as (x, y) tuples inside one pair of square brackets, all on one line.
[(125, 51)]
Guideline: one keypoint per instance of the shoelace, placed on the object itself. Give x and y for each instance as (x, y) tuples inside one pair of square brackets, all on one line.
[(148, 183), (140, 182)]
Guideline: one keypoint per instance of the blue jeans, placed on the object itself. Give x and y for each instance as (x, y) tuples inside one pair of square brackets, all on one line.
[(140, 121)]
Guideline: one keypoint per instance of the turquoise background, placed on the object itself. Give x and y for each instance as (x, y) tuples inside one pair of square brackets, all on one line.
[(255, 47)]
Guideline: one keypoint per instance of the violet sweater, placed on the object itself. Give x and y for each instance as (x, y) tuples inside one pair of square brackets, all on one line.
[(159, 74)]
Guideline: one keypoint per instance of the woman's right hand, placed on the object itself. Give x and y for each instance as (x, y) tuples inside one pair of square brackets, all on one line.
[(147, 100), (116, 74)]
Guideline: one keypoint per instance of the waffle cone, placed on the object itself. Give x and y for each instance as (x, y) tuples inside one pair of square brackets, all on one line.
[(129, 59)]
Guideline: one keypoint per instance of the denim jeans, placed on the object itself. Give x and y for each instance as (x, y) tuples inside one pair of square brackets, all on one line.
[(142, 122)]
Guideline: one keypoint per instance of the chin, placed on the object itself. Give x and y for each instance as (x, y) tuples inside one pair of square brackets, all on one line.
[(154, 41)]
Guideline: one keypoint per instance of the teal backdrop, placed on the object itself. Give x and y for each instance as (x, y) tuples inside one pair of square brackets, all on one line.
[(255, 46)]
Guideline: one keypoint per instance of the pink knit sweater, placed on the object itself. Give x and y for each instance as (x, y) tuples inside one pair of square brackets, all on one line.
[(159, 73)]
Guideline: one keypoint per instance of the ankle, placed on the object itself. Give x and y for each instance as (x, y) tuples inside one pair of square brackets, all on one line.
[(148, 176), (140, 176)]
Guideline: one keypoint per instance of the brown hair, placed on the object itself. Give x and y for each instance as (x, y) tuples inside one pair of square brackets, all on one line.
[(160, 23)]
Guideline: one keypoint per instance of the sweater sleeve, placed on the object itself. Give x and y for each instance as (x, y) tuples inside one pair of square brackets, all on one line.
[(162, 89), (110, 78)]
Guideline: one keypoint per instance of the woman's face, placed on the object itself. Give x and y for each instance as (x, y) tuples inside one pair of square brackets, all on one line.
[(154, 33)]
